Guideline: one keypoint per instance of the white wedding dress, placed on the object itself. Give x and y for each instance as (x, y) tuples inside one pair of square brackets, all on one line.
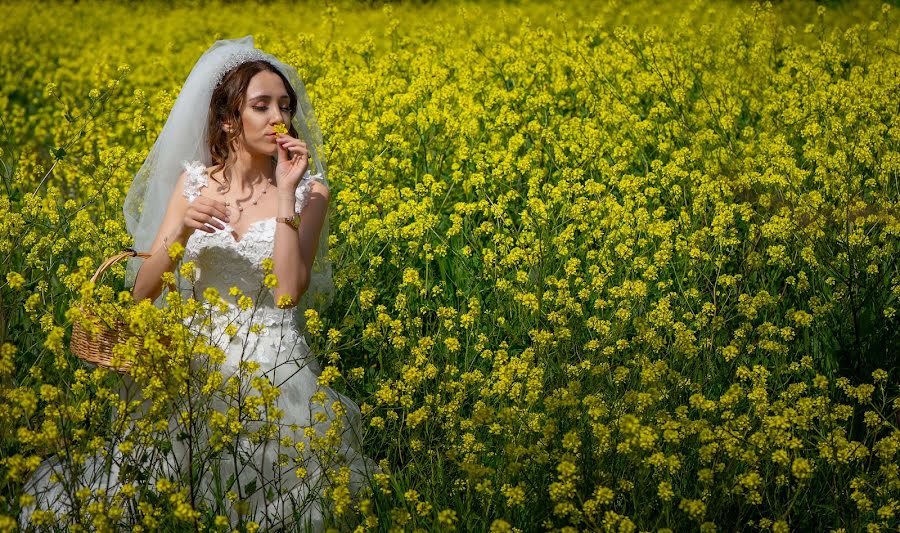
[(265, 474)]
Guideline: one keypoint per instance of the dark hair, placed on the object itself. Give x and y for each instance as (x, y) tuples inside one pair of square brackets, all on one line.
[(225, 106)]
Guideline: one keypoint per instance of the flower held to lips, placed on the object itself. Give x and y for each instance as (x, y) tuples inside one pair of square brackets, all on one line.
[(280, 128)]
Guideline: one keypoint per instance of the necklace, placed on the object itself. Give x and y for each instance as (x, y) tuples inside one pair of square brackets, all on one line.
[(238, 201)]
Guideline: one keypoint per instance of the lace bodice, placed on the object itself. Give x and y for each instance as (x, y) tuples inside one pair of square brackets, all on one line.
[(220, 260)]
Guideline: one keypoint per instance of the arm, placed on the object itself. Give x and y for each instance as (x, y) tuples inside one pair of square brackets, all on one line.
[(295, 250), (180, 221)]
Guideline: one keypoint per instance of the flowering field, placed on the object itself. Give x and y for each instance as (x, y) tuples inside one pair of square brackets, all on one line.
[(598, 267)]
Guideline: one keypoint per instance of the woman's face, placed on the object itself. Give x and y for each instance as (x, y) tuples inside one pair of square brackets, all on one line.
[(266, 104)]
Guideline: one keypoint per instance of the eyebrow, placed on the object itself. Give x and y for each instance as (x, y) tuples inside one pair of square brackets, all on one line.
[(268, 97)]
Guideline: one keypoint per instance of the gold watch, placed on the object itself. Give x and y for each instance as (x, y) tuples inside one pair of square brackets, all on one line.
[(293, 221)]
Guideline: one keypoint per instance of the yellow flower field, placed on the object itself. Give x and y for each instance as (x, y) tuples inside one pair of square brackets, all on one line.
[(630, 266)]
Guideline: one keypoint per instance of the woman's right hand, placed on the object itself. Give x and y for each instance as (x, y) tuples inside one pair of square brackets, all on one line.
[(204, 214)]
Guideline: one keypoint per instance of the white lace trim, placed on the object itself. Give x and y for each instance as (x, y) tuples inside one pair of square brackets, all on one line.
[(302, 192), (195, 179)]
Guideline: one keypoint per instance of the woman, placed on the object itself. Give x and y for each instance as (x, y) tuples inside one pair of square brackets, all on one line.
[(243, 195), (246, 107)]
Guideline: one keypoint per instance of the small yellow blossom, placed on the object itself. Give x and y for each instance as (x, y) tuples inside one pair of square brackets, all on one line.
[(15, 280)]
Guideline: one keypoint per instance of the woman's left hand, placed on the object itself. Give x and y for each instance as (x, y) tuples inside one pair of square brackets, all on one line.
[(288, 172)]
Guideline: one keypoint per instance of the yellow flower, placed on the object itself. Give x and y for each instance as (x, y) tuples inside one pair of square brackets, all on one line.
[(280, 128), (188, 270), (515, 495), (15, 280), (366, 298), (328, 375), (168, 278), (313, 322), (176, 250), (694, 508), (211, 295), (447, 518), (802, 469), (245, 302), (500, 526), (664, 489), (285, 301)]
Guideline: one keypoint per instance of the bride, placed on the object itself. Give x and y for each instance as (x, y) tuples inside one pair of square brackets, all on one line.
[(230, 181)]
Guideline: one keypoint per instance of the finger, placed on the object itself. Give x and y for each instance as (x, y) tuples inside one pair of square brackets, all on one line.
[(219, 205), (284, 147), (297, 150), (221, 212), (211, 207), (218, 208), (295, 144), (282, 152), (202, 219), (203, 209), (301, 165), (206, 223), (197, 225), (214, 209), (214, 219), (215, 223)]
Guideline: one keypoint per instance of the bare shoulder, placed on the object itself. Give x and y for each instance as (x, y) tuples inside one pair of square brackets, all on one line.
[(318, 189)]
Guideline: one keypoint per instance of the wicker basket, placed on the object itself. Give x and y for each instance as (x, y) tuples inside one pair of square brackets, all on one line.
[(98, 349)]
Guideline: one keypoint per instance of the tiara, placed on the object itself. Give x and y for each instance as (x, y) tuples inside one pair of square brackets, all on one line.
[(238, 57)]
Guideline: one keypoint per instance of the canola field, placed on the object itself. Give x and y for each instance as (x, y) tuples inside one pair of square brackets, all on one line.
[(626, 266)]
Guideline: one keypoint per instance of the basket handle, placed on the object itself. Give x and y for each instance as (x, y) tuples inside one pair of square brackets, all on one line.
[(115, 259)]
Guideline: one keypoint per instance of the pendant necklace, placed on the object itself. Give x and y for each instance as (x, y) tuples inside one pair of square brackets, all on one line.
[(237, 202)]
